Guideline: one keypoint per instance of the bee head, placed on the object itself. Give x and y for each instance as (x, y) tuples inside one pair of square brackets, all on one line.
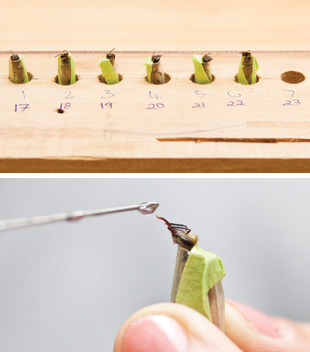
[(206, 58), (14, 57), (181, 235), (110, 55), (64, 54), (156, 58)]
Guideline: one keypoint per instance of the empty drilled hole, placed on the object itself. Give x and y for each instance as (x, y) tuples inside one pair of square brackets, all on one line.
[(60, 111), (293, 77), (167, 78), (56, 80), (102, 79), (236, 79), (192, 78)]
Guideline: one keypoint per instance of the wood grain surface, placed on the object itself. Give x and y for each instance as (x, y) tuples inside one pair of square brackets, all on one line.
[(136, 126), (161, 25)]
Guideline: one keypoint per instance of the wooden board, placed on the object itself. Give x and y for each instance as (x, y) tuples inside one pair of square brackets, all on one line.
[(164, 25), (135, 126)]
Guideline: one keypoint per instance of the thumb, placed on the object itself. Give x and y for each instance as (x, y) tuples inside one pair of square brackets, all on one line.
[(170, 327), (254, 331)]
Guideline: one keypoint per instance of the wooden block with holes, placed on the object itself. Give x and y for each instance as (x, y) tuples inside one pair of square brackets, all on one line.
[(135, 126)]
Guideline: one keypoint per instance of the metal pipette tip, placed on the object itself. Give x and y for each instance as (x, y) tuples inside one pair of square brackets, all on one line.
[(144, 208)]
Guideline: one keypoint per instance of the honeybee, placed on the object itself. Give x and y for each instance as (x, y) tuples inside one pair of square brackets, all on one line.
[(247, 65), (206, 64), (181, 234), (66, 69), (17, 71), (157, 75), (111, 57)]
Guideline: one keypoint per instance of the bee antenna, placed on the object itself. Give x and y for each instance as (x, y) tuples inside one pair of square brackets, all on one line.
[(63, 52), (166, 221)]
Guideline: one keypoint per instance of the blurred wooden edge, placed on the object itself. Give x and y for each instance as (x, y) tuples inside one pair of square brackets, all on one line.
[(162, 165)]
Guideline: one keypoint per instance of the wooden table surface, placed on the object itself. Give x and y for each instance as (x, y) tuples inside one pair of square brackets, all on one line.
[(158, 25), (100, 25)]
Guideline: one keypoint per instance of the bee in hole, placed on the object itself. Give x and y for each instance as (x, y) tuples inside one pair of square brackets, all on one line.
[(155, 72), (247, 69), (109, 69), (206, 64), (181, 234), (111, 57), (17, 70), (66, 69)]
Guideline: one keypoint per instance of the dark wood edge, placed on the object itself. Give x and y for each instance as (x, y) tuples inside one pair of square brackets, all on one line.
[(154, 165)]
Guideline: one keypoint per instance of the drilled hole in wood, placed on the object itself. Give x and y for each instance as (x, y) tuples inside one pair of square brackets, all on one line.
[(60, 111), (192, 78), (102, 80), (236, 79), (56, 80), (30, 77), (167, 78), (293, 77)]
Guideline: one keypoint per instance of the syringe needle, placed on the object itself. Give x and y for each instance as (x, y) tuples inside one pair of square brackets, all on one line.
[(143, 208)]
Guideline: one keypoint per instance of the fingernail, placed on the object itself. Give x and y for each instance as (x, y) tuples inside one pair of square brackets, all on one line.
[(259, 320), (155, 333)]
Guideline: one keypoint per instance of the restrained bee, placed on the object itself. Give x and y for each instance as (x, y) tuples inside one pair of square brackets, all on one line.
[(247, 65), (206, 64), (17, 71), (181, 234), (111, 57), (157, 75), (66, 69)]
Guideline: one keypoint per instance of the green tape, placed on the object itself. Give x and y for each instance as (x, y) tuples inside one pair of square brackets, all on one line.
[(108, 72), (241, 76), (202, 271), (200, 75), (13, 76), (62, 79), (149, 66)]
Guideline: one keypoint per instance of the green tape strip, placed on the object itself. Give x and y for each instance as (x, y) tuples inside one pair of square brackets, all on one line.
[(241, 77), (200, 75), (72, 70), (108, 72), (149, 66), (11, 75), (202, 271)]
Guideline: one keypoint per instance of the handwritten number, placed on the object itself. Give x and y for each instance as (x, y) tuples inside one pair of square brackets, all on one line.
[(108, 93), (198, 105), (198, 92), (155, 106), (68, 96), (292, 102), (22, 107), (65, 106), (235, 103), (106, 104)]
